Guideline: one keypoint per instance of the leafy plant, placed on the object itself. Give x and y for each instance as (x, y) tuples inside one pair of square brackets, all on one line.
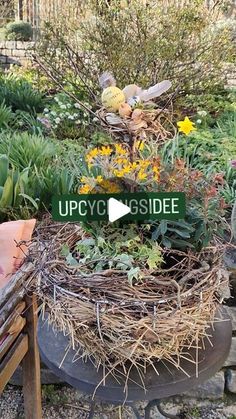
[(209, 150), (19, 94), (215, 103), (66, 118), (35, 77), (47, 174), (115, 248), (6, 116), (13, 186), (19, 31), (26, 150), (24, 121)]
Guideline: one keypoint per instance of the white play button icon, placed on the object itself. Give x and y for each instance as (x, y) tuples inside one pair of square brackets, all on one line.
[(116, 210)]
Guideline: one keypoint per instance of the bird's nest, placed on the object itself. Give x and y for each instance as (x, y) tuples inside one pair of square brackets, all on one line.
[(145, 124), (158, 317)]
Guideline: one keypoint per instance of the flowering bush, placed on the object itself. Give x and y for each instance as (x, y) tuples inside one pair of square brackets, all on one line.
[(65, 118)]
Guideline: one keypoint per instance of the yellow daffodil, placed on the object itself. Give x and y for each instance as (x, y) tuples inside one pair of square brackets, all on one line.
[(105, 151), (186, 126), (133, 165), (92, 153), (120, 150)]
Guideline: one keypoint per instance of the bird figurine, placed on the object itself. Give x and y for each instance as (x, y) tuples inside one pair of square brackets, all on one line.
[(134, 94), (115, 99)]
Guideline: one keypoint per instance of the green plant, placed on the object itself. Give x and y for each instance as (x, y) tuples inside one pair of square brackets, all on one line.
[(47, 174), (6, 116), (140, 42), (115, 248), (66, 118), (214, 103), (26, 150), (19, 94), (19, 31), (24, 121), (13, 186), (52, 396), (34, 76)]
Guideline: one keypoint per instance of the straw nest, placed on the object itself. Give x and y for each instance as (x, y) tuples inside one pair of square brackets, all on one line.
[(141, 124), (159, 317)]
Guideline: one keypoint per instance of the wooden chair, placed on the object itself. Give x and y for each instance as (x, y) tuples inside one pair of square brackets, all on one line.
[(18, 344)]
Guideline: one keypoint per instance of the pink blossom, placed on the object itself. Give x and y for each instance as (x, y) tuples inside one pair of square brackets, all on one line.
[(233, 164)]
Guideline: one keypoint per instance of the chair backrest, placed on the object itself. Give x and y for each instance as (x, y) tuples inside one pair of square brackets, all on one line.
[(18, 343)]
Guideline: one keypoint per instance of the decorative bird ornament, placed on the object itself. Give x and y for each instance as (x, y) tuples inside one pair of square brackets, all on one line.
[(115, 99)]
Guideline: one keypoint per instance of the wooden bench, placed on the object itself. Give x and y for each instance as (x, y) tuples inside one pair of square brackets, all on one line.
[(18, 344)]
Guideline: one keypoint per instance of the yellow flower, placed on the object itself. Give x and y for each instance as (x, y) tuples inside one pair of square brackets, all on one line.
[(110, 187), (121, 160), (127, 169), (142, 175), (99, 179), (118, 173), (92, 153), (144, 163), (105, 151), (120, 150), (186, 126), (156, 170), (139, 145), (133, 165), (83, 179), (85, 189)]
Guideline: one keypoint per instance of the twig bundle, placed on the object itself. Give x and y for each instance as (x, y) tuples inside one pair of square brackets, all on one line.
[(146, 124), (157, 317)]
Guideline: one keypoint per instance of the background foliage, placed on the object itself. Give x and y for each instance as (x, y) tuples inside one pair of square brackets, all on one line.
[(165, 40)]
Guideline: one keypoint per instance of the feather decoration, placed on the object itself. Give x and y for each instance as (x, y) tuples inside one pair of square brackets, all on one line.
[(155, 91), (106, 80)]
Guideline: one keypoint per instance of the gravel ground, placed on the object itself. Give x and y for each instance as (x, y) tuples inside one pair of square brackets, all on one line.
[(63, 402)]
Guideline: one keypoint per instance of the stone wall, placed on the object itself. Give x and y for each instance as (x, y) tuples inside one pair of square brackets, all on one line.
[(15, 52)]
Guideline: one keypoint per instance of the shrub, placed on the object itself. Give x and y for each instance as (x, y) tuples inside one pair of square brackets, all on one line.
[(19, 31), (34, 76), (141, 42), (19, 94)]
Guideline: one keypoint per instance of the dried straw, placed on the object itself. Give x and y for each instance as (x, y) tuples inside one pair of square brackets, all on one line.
[(154, 124), (159, 317)]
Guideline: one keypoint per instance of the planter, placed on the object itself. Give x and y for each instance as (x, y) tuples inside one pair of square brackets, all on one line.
[(113, 321)]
